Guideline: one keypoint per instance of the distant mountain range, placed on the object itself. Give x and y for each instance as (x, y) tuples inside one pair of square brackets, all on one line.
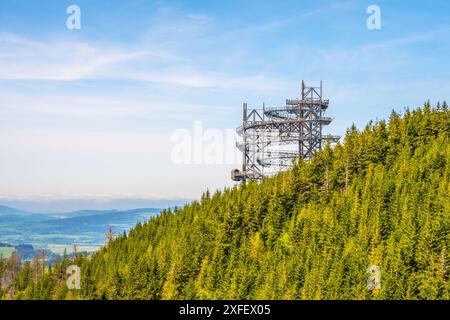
[(58, 231), (10, 211), (10, 215)]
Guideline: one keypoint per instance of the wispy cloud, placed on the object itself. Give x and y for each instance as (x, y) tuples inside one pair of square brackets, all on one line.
[(25, 59), (295, 18), (63, 107), (191, 77)]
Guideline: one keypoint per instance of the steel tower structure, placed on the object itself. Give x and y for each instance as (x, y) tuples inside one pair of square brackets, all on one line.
[(273, 137)]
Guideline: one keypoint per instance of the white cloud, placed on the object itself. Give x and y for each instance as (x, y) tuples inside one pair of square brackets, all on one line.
[(15, 108), (189, 77), (24, 59)]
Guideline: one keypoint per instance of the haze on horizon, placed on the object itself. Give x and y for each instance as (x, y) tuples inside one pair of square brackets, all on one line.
[(87, 116)]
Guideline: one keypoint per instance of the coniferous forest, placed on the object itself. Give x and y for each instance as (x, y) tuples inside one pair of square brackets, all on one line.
[(380, 197)]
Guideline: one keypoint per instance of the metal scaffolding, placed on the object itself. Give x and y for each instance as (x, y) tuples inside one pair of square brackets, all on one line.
[(272, 138)]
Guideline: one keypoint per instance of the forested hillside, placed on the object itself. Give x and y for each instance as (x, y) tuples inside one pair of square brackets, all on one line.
[(381, 197)]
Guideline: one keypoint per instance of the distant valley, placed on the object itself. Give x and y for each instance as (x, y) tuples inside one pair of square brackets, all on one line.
[(56, 232)]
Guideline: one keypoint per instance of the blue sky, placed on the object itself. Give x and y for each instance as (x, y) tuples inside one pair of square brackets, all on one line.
[(89, 114)]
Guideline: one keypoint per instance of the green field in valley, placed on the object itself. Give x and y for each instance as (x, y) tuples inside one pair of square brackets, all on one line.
[(6, 252)]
